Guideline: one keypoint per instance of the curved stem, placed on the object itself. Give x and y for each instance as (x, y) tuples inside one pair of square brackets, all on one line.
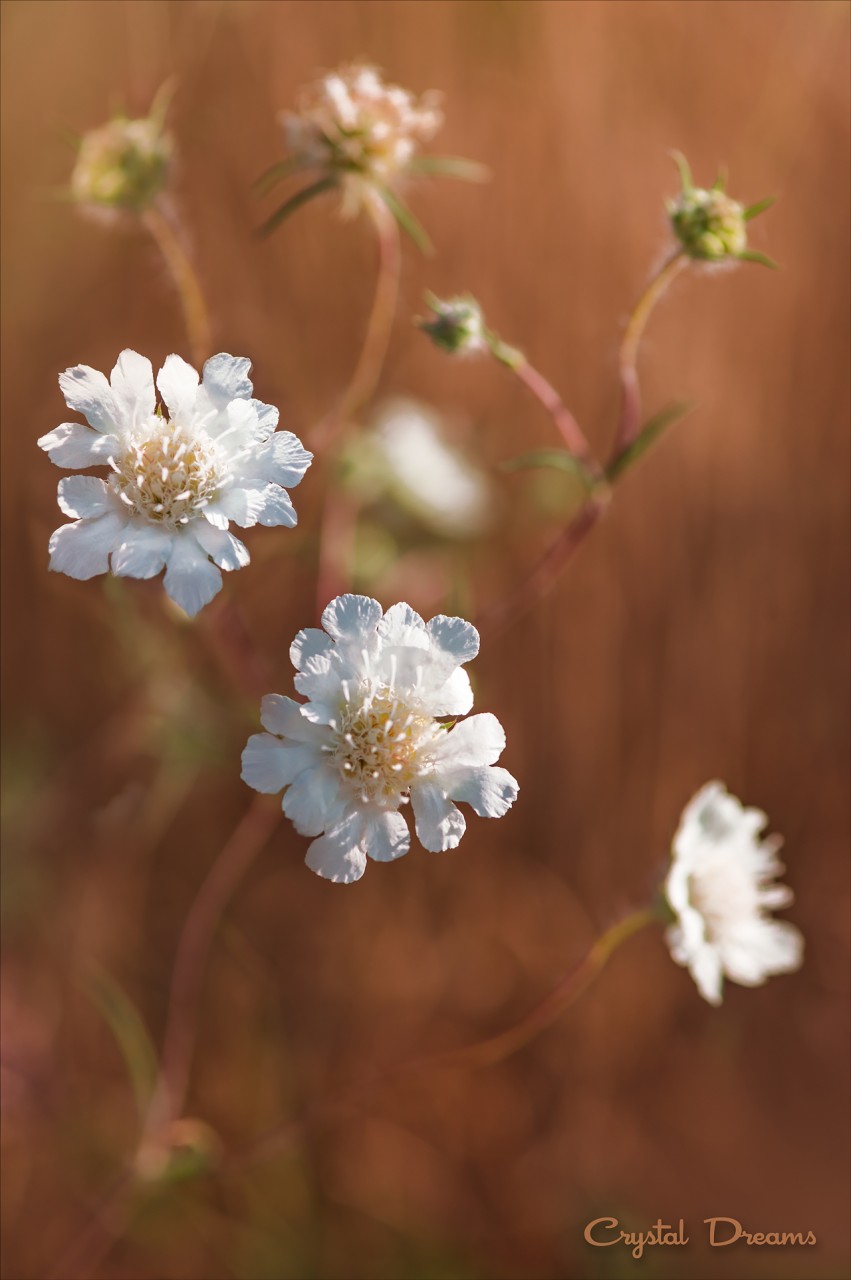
[(569, 429), (186, 281), (380, 324), (247, 840), (630, 414)]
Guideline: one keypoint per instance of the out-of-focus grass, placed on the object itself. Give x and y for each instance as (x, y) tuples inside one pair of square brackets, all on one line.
[(702, 631)]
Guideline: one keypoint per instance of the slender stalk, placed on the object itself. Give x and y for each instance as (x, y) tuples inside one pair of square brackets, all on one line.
[(193, 950), (630, 414), (569, 429), (380, 324), (472, 1057), (186, 281)]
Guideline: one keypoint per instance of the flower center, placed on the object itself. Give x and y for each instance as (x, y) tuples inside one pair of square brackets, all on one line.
[(381, 744), (168, 477)]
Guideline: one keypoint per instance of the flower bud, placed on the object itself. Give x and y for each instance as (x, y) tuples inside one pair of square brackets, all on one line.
[(709, 224), (457, 325), (122, 165), (184, 1149)]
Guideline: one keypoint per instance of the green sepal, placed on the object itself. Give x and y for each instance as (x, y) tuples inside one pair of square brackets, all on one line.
[(752, 255), (682, 164), (295, 202), (125, 1022), (646, 438), (450, 167), (721, 181), (753, 210), (406, 219), (276, 173)]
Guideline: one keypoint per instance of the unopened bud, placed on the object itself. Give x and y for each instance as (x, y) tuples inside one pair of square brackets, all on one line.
[(457, 325), (122, 165), (709, 224)]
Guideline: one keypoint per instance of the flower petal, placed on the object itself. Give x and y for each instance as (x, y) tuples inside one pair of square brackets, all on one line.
[(74, 445), (337, 856), (132, 382), (309, 643), (455, 637), (87, 390), (143, 551), (85, 496), (267, 418), (269, 765), (226, 550), (490, 792), (454, 697), (439, 824), (282, 459), (401, 625), (226, 378), (190, 579), (82, 549), (283, 716), (178, 385), (351, 617), (479, 740), (386, 836), (314, 803), (240, 505)]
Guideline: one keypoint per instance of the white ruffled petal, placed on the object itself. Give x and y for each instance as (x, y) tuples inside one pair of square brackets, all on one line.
[(351, 617), (489, 791), (81, 550), (190, 579), (283, 716), (226, 378), (455, 637), (243, 506), (479, 740), (87, 390), (142, 551), (226, 550), (454, 697), (282, 459), (269, 765), (337, 856), (85, 497), (314, 803), (132, 382), (267, 418), (178, 386), (401, 625), (439, 824), (74, 445), (386, 836), (277, 509), (309, 643)]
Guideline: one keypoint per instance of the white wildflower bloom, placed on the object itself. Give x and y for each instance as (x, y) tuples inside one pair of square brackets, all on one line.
[(437, 482), (352, 122), (720, 890), (176, 480), (371, 737)]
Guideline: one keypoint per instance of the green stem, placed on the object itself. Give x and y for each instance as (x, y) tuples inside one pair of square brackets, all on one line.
[(186, 281)]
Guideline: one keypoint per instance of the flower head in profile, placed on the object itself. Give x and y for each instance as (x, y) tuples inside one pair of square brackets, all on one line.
[(353, 131), (709, 225), (373, 736), (177, 476), (721, 892), (124, 165)]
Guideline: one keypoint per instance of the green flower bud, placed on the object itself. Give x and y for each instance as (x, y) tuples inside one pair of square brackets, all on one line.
[(709, 224), (457, 325), (122, 165)]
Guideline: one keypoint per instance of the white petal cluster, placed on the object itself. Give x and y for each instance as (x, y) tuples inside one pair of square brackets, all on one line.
[(352, 122), (437, 482), (370, 738), (176, 480), (719, 888)]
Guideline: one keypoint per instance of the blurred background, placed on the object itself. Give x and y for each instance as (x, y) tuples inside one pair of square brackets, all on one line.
[(701, 632)]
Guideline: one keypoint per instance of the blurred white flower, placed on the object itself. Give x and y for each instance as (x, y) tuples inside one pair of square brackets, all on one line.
[(123, 164), (369, 738), (175, 481), (719, 889), (351, 122), (429, 477)]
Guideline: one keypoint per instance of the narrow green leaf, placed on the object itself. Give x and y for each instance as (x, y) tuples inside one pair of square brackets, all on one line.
[(751, 255), (647, 436), (685, 172), (551, 459), (295, 202), (450, 167), (124, 1021), (721, 181), (406, 220), (276, 173), (753, 210)]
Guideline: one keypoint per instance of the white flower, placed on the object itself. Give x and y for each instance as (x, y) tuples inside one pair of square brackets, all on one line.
[(435, 481), (122, 165), (175, 481), (351, 122), (370, 737), (719, 889)]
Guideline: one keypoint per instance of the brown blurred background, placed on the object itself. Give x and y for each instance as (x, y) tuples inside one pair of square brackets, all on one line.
[(701, 632)]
